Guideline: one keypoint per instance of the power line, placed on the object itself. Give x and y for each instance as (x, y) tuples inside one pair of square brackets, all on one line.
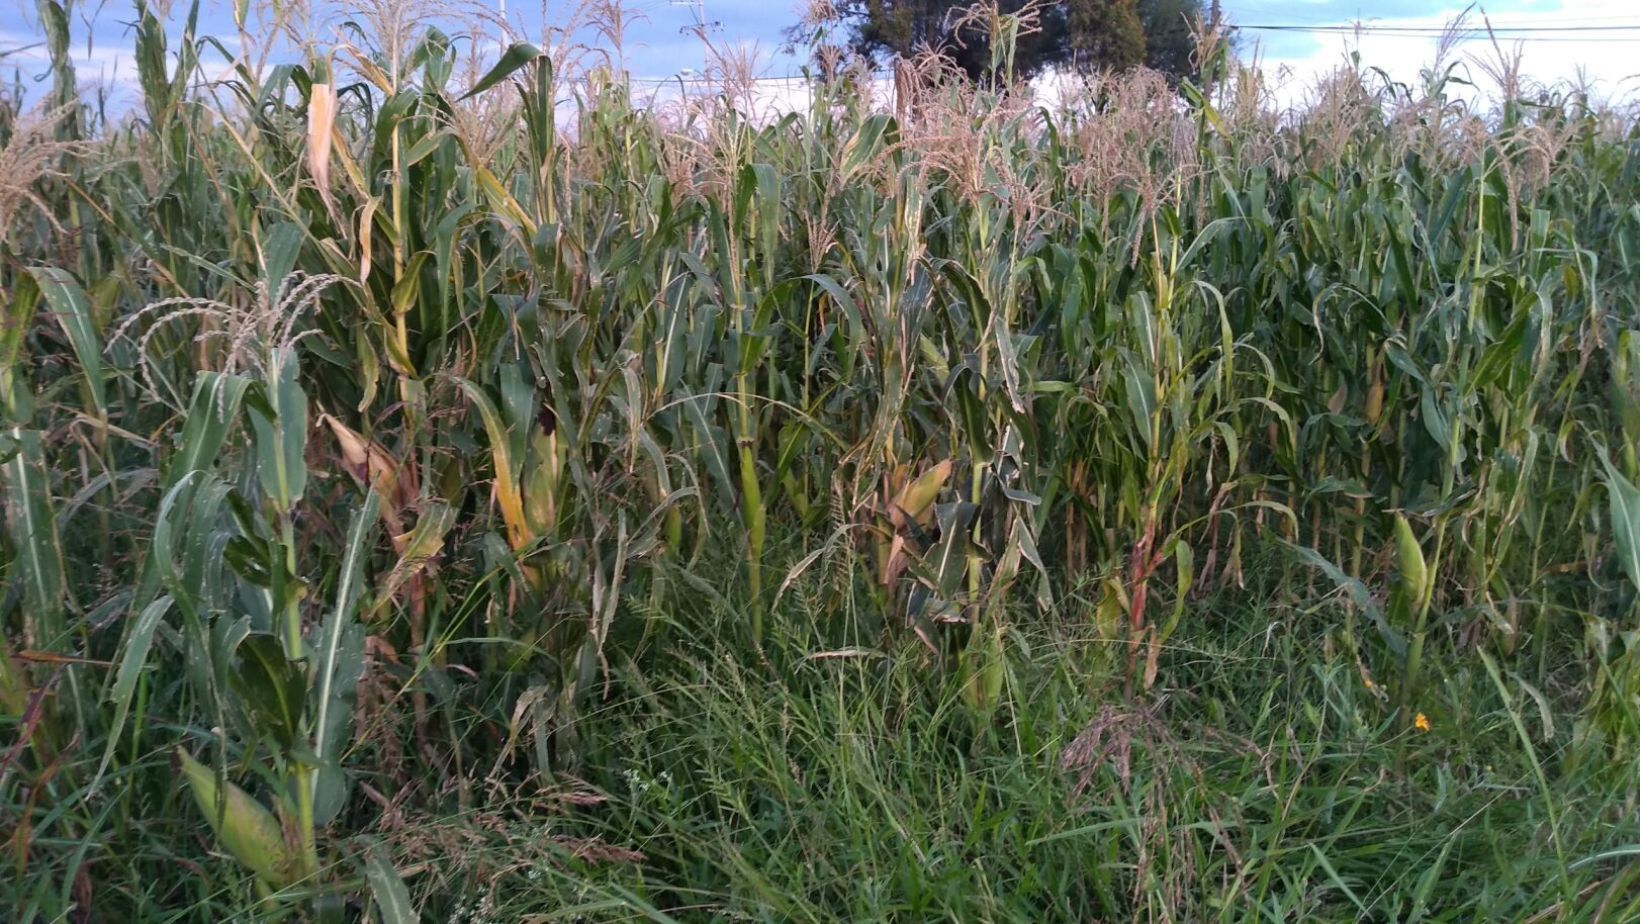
[(1579, 35), (1506, 20), (1351, 28), (1471, 36), (1593, 21), (1286, 14)]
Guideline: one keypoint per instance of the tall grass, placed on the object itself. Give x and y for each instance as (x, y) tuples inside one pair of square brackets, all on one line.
[(377, 428)]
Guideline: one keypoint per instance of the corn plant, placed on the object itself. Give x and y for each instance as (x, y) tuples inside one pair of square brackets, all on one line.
[(959, 368)]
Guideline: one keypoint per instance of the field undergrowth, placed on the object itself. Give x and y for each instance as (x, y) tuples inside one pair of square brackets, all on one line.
[(438, 487)]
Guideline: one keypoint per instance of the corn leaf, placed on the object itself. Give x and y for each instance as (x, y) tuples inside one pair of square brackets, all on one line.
[(1624, 498), (516, 56), (73, 310), (271, 686), (133, 659), (339, 662), (387, 888), (38, 565), (280, 426)]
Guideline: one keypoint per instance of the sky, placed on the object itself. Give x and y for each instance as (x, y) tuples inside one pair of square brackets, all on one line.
[(1591, 41)]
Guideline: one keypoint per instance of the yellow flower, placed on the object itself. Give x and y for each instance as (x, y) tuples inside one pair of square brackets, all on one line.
[(1421, 722)]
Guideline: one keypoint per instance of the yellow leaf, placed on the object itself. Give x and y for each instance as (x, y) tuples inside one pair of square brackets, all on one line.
[(320, 131)]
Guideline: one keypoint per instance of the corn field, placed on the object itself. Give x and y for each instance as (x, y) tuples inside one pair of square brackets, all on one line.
[(366, 418)]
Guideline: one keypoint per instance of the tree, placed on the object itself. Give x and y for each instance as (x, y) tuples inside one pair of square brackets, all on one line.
[(1104, 35), (1170, 39), (1082, 35)]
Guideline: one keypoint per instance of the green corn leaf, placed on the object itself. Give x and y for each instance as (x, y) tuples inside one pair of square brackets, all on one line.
[(339, 662), (161, 560), (508, 491), (947, 561), (709, 442), (864, 146), (271, 687), (280, 249), (149, 51), (1185, 560), (1141, 401), (845, 301), (1435, 419), (499, 558), (387, 888), (424, 148), (132, 661), (280, 426), (1008, 360), (16, 317), (1021, 536), (54, 22), (211, 414), (965, 384), (518, 408), (515, 57), (73, 311), (768, 213), (184, 555), (38, 565), (1356, 592), (1625, 515)]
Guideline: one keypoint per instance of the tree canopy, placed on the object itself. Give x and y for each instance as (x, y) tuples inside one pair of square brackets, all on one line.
[(1080, 35)]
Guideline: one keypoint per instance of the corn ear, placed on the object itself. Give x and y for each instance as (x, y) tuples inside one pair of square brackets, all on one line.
[(916, 499), (1375, 402), (248, 831), (367, 462), (540, 489), (986, 668), (1414, 573)]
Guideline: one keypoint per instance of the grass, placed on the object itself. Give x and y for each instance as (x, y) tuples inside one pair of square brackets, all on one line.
[(1265, 781), (454, 491)]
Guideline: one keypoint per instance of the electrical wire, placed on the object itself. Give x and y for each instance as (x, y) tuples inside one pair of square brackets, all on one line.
[(1351, 28)]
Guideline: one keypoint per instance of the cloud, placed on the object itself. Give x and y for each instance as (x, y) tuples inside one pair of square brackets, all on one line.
[(106, 67), (1606, 60)]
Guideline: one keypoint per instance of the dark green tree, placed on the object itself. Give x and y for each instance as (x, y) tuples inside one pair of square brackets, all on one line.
[(1081, 35), (1101, 35), (1170, 35)]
